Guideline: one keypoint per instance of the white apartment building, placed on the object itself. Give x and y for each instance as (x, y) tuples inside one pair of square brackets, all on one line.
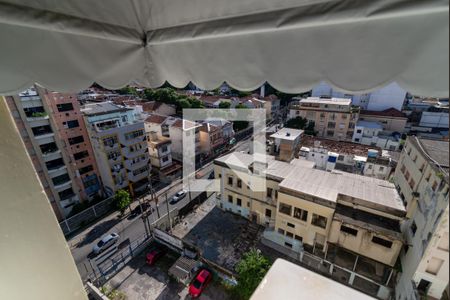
[(372, 134), (422, 179), (389, 96), (120, 145)]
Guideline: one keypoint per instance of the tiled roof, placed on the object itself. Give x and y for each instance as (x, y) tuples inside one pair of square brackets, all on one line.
[(337, 146), (390, 112), (154, 118)]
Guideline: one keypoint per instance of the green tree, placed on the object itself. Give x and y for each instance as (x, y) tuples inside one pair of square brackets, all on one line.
[(122, 200), (250, 271), (128, 90), (309, 129), (224, 104), (296, 123)]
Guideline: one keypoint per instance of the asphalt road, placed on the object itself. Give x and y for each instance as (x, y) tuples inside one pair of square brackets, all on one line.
[(131, 229)]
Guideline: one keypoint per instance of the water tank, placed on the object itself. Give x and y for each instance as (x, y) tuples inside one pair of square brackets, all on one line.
[(372, 153)]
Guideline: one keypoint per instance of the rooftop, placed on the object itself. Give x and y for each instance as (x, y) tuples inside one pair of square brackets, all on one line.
[(390, 112), (155, 118), (438, 151), (102, 108), (320, 100), (369, 124), (287, 134), (286, 280), (340, 147)]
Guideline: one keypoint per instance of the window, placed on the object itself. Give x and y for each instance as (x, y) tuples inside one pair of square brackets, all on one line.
[(134, 134), (407, 175), (230, 181), (285, 209), (64, 107), (413, 228), (403, 169), (369, 167), (280, 231), (423, 286), (66, 194), (55, 164), (428, 177), (140, 171), (330, 132), (300, 214), (288, 244), (239, 183), (80, 155), (269, 192), (382, 242), (60, 179), (230, 198), (289, 234), (434, 186), (41, 130), (165, 159), (48, 148), (331, 125), (239, 202), (164, 148), (71, 124), (422, 167), (110, 141), (349, 230), (381, 169), (76, 140), (319, 221), (276, 194), (290, 225), (298, 238), (113, 154), (86, 169), (268, 213), (434, 265), (443, 242), (412, 183), (358, 130)]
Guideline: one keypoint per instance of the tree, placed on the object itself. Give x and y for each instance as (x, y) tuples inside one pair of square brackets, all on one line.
[(128, 90), (296, 123), (122, 200), (250, 271), (224, 104)]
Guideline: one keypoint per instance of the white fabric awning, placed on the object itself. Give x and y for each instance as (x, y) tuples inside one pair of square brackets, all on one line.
[(355, 45)]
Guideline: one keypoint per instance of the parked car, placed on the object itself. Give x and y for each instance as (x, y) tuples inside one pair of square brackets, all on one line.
[(211, 175), (199, 175), (106, 242), (177, 197), (154, 254), (200, 282)]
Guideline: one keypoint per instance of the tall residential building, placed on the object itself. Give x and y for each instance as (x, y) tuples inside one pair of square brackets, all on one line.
[(344, 225), (386, 97), (333, 118), (120, 145), (54, 134), (422, 178)]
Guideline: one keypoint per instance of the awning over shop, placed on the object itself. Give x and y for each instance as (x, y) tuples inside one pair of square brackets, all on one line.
[(354, 45)]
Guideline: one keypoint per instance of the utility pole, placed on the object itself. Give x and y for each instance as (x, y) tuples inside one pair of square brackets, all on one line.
[(168, 212), (144, 218)]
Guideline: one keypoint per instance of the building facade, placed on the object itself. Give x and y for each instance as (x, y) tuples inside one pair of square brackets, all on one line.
[(120, 145), (422, 179), (333, 118), (56, 140)]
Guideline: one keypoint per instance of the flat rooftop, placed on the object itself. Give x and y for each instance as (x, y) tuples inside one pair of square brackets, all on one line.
[(337, 101), (287, 134), (102, 108), (289, 281), (369, 124), (437, 150)]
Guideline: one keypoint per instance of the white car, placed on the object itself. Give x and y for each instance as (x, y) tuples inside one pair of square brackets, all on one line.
[(106, 242), (177, 197)]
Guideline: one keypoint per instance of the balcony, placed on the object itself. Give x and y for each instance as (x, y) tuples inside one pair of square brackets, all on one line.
[(63, 185), (37, 116), (137, 149), (135, 163), (48, 156), (54, 169), (140, 176)]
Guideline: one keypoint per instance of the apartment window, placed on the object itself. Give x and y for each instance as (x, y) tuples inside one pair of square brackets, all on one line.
[(381, 169), (60, 179), (407, 175), (290, 225), (268, 213), (80, 155), (269, 192), (413, 228), (330, 132), (164, 148), (434, 265), (48, 148), (298, 238), (412, 183), (66, 194), (280, 231), (134, 134), (64, 107), (90, 182), (86, 169), (285, 209), (239, 202), (76, 140), (230, 198), (239, 183), (434, 186), (349, 230), (113, 155), (140, 170), (403, 169), (71, 124), (358, 130), (110, 141), (289, 234), (230, 181), (288, 244), (165, 159), (331, 125), (300, 214), (422, 167), (341, 157), (423, 286), (319, 221), (415, 158), (41, 130), (428, 177), (54, 164), (382, 242)]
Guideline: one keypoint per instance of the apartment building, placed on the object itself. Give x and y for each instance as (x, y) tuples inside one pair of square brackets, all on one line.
[(348, 221), (372, 133), (211, 139), (120, 145), (390, 119), (160, 152), (422, 179), (285, 143), (57, 142), (333, 118)]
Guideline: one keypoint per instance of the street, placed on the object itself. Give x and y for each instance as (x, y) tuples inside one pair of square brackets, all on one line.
[(130, 229)]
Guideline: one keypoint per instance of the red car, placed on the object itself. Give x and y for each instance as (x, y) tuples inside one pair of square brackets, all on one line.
[(154, 255), (200, 282)]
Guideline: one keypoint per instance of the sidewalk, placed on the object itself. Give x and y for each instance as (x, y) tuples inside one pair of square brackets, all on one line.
[(73, 241)]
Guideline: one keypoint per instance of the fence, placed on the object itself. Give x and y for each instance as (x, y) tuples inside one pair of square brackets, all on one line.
[(88, 215)]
